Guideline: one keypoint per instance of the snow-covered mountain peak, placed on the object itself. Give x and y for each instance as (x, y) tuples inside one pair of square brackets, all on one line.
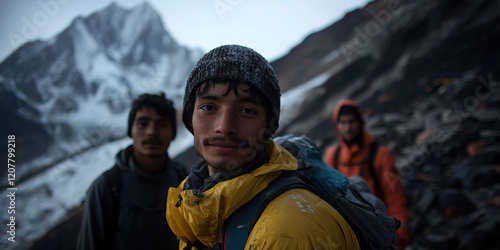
[(88, 74), (121, 32)]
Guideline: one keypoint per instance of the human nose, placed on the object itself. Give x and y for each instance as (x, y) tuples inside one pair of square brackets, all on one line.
[(226, 124), (152, 129), (349, 125)]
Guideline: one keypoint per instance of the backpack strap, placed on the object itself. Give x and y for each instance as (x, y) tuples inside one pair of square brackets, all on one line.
[(242, 221), (370, 162), (371, 168), (336, 157)]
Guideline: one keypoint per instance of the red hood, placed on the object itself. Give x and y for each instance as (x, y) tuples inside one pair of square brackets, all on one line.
[(368, 139), (342, 103)]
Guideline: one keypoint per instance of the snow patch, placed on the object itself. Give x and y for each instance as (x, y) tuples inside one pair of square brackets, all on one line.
[(291, 99), (330, 57)]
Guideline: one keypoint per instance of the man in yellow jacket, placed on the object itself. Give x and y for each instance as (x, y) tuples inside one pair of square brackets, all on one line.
[(232, 107)]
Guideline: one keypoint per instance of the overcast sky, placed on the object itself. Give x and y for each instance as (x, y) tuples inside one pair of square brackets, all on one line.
[(270, 27)]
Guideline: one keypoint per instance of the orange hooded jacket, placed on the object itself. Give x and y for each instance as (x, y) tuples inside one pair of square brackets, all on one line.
[(352, 158)]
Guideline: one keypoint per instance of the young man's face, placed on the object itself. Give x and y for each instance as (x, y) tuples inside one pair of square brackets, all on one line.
[(151, 133), (227, 128), (349, 127)]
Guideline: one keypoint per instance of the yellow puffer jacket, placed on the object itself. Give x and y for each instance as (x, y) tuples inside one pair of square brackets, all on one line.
[(297, 219)]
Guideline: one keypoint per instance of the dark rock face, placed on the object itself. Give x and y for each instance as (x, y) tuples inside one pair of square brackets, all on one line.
[(453, 191), (426, 75)]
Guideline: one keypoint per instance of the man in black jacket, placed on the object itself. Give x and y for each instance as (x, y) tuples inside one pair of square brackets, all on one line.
[(125, 206)]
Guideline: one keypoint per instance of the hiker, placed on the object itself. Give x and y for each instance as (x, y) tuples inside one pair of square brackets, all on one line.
[(125, 206), (360, 155), (232, 107)]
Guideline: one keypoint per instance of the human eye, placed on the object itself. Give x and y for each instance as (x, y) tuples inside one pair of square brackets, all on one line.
[(141, 124), (207, 107), (248, 111)]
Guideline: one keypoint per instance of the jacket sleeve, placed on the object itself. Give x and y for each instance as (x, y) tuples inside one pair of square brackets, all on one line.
[(97, 228), (390, 183), (329, 155)]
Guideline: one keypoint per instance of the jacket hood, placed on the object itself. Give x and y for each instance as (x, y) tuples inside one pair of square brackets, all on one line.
[(342, 103), (125, 161), (367, 138), (200, 219)]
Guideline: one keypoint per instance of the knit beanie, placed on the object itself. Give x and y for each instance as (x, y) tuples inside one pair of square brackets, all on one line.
[(239, 64)]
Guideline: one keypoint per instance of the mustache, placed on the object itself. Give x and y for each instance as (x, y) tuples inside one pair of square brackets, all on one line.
[(232, 140), (152, 141)]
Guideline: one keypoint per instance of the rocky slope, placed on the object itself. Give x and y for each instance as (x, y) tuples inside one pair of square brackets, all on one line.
[(426, 74)]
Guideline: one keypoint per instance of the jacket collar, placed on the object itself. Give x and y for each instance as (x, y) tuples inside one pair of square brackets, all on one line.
[(200, 181), (126, 162), (200, 219)]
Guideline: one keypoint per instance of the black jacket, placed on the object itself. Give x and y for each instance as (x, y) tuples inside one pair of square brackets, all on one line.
[(138, 222)]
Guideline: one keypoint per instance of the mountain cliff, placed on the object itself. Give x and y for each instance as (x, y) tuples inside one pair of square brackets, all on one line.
[(73, 92)]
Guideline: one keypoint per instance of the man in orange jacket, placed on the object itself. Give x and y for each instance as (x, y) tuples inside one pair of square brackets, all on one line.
[(353, 158)]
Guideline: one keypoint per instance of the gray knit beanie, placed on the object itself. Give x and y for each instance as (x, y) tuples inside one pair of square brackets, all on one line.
[(234, 63)]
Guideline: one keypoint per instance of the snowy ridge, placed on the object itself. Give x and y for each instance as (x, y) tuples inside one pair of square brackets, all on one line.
[(98, 65)]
